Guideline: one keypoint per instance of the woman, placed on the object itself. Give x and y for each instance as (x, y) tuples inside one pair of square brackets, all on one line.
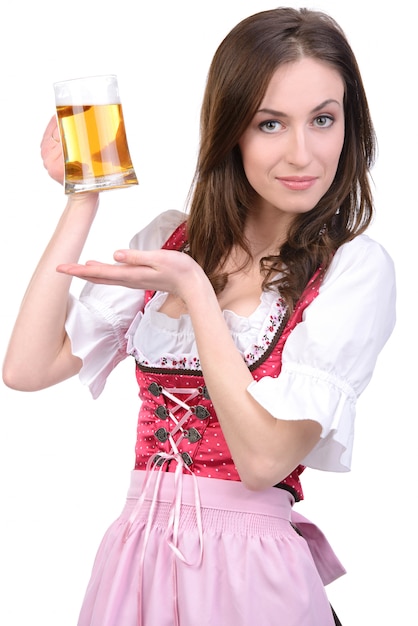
[(255, 321)]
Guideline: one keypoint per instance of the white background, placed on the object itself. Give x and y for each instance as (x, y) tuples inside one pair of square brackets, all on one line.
[(65, 459)]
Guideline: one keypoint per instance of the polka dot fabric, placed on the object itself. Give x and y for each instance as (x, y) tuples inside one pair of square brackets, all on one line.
[(177, 411)]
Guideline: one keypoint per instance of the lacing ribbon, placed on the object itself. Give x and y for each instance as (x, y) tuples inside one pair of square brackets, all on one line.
[(156, 467), (179, 404)]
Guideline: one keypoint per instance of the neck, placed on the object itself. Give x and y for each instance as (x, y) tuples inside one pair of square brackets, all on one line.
[(266, 233)]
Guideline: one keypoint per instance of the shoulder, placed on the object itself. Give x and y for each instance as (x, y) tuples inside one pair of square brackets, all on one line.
[(358, 294), (362, 247), (158, 230), (362, 256)]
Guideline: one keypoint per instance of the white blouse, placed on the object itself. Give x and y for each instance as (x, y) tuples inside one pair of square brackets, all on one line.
[(327, 361)]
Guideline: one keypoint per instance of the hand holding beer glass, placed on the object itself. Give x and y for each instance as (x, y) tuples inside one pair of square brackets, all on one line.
[(92, 130)]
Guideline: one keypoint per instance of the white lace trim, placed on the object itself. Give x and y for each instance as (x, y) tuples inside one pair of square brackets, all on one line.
[(252, 335)]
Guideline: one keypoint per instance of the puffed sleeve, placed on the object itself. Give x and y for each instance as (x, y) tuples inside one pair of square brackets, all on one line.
[(98, 320), (329, 357)]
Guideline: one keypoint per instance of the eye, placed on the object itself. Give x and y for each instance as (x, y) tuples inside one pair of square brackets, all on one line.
[(323, 121), (270, 126)]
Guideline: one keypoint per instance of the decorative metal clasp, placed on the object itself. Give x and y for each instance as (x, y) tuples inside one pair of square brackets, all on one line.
[(204, 392), (155, 389), (161, 412), (201, 412), (187, 458), (193, 435), (161, 434)]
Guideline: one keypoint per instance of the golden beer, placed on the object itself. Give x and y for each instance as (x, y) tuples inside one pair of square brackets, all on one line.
[(95, 146)]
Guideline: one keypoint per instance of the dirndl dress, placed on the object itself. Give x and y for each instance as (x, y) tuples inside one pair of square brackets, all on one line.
[(193, 545)]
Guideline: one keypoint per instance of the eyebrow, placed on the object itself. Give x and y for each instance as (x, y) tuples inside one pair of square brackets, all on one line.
[(314, 110)]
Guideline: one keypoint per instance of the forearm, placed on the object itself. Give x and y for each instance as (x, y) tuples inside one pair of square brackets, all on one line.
[(39, 353), (265, 449)]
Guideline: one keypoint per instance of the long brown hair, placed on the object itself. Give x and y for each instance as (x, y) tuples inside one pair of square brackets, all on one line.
[(221, 195)]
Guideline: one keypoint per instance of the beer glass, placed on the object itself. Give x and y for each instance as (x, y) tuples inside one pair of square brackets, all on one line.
[(93, 136)]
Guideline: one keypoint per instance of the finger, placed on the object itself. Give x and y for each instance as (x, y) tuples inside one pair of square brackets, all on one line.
[(51, 129), (102, 272), (136, 277), (52, 159), (91, 268), (146, 258), (51, 141), (51, 151)]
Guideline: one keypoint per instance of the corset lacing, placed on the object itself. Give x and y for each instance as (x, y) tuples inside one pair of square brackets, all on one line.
[(155, 469)]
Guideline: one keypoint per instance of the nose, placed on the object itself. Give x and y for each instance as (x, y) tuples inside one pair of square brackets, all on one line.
[(298, 151)]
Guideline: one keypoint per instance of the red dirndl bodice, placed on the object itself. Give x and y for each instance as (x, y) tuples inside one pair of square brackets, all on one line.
[(177, 420)]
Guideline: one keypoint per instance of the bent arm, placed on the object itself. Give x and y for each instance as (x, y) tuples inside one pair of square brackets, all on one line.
[(265, 449), (39, 352), (268, 440), (305, 412)]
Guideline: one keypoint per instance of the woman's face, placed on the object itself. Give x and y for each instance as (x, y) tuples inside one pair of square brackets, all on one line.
[(291, 149)]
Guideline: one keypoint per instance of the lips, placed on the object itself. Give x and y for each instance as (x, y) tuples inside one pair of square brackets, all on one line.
[(297, 183)]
